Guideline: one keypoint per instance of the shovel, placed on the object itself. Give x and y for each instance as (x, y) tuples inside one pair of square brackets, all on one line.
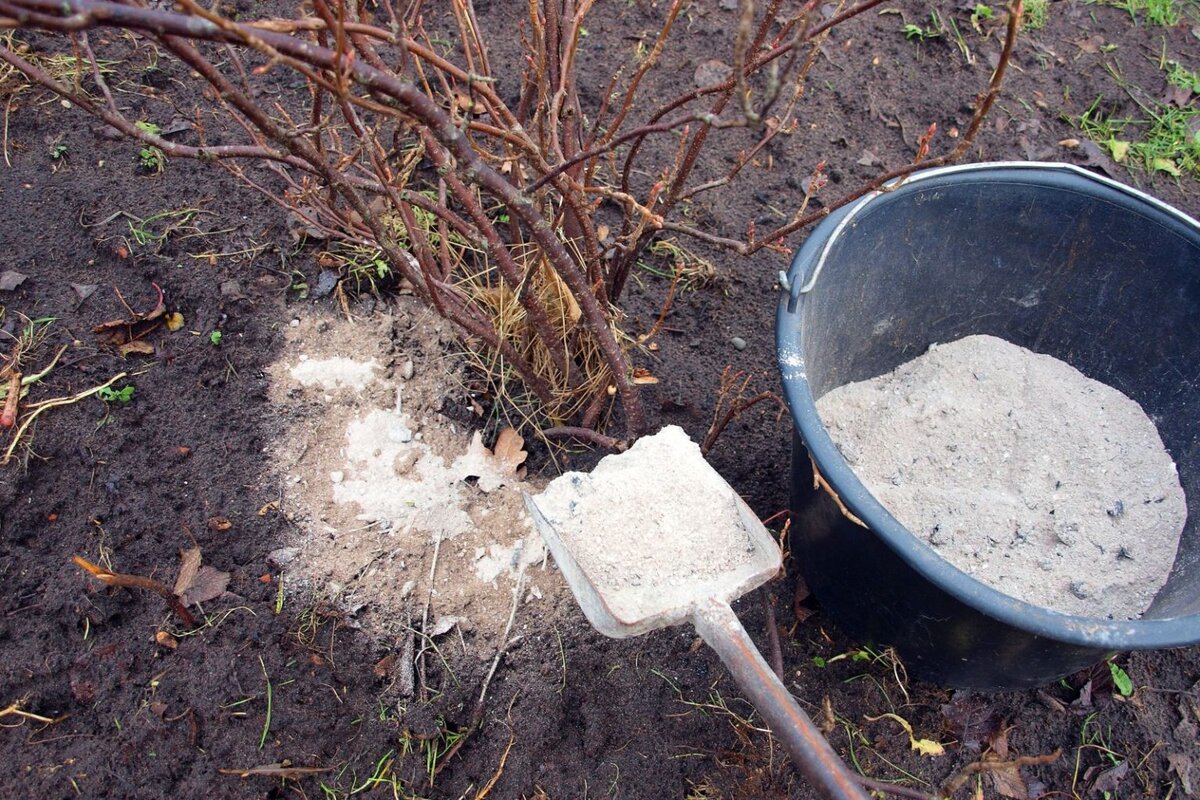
[(654, 537)]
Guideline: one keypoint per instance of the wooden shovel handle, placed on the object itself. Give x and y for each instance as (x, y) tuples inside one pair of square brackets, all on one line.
[(722, 630)]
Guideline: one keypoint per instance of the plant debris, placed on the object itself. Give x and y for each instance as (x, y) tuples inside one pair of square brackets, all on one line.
[(500, 466), (282, 770), (127, 333), (198, 584), (926, 747)]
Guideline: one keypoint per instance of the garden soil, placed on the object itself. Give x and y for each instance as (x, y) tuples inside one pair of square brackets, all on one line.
[(1021, 471), (300, 663)]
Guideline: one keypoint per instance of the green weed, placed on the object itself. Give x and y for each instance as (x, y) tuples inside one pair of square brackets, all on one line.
[(1037, 14), (1164, 140), (1163, 13), (122, 395)]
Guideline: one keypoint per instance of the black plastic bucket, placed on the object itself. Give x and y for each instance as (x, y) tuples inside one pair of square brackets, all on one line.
[(1049, 257)]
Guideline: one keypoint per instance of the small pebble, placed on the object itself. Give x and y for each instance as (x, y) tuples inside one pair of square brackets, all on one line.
[(282, 557), (1081, 589), (1116, 510), (337, 476), (295, 323), (738, 343), (407, 369)]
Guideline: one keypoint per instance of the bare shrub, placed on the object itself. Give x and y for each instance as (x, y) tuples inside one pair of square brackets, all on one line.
[(407, 157)]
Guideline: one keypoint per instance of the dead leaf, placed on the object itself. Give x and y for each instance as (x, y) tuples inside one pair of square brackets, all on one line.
[(1007, 781), (189, 565), (868, 159), (219, 524), (1181, 765), (442, 626), (271, 506), (971, 719), (164, 639), (83, 291), (384, 666), (1178, 96), (1108, 781), (11, 279), (139, 346), (1118, 148), (926, 747), (493, 469), (1091, 45), (469, 104), (210, 584), (137, 326), (1070, 144), (510, 449), (1166, 165)]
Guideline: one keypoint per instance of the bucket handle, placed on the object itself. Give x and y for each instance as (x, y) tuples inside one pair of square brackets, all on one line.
[(801, 277)]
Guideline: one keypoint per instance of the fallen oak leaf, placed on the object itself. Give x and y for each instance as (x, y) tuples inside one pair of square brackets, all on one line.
[(493, 468), (926, 747)]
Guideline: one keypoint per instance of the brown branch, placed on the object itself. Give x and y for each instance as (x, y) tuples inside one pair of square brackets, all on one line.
[(137, 582), (587, 435)]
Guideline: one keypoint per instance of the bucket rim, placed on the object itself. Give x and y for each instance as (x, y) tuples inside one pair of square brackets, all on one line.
[(1091, 632)]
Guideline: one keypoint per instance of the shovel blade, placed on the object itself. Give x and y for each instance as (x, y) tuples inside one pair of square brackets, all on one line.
[(650, 535)]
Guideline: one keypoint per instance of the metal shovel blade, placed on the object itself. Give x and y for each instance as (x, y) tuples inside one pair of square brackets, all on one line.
[(655, 537), (656, 592)]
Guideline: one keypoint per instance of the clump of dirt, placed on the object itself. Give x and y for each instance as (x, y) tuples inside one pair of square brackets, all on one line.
[(1020, 470)]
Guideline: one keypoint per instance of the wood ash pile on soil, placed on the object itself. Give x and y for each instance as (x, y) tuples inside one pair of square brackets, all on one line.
[(1018, 469)]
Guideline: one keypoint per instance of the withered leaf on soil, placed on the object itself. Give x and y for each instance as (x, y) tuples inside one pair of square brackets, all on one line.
[(1090, 44), (140, 346), (494, 468), (196, 583), (210, 584), (1181, 765), (11, 279), (138, 325), (972, 719), (189, 565), (83, 290), (219, 524), (1108, 781), (1007, 780), (383, 666), (926, 747)]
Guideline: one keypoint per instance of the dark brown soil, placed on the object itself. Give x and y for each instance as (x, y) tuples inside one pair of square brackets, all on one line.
[(570, 714)]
